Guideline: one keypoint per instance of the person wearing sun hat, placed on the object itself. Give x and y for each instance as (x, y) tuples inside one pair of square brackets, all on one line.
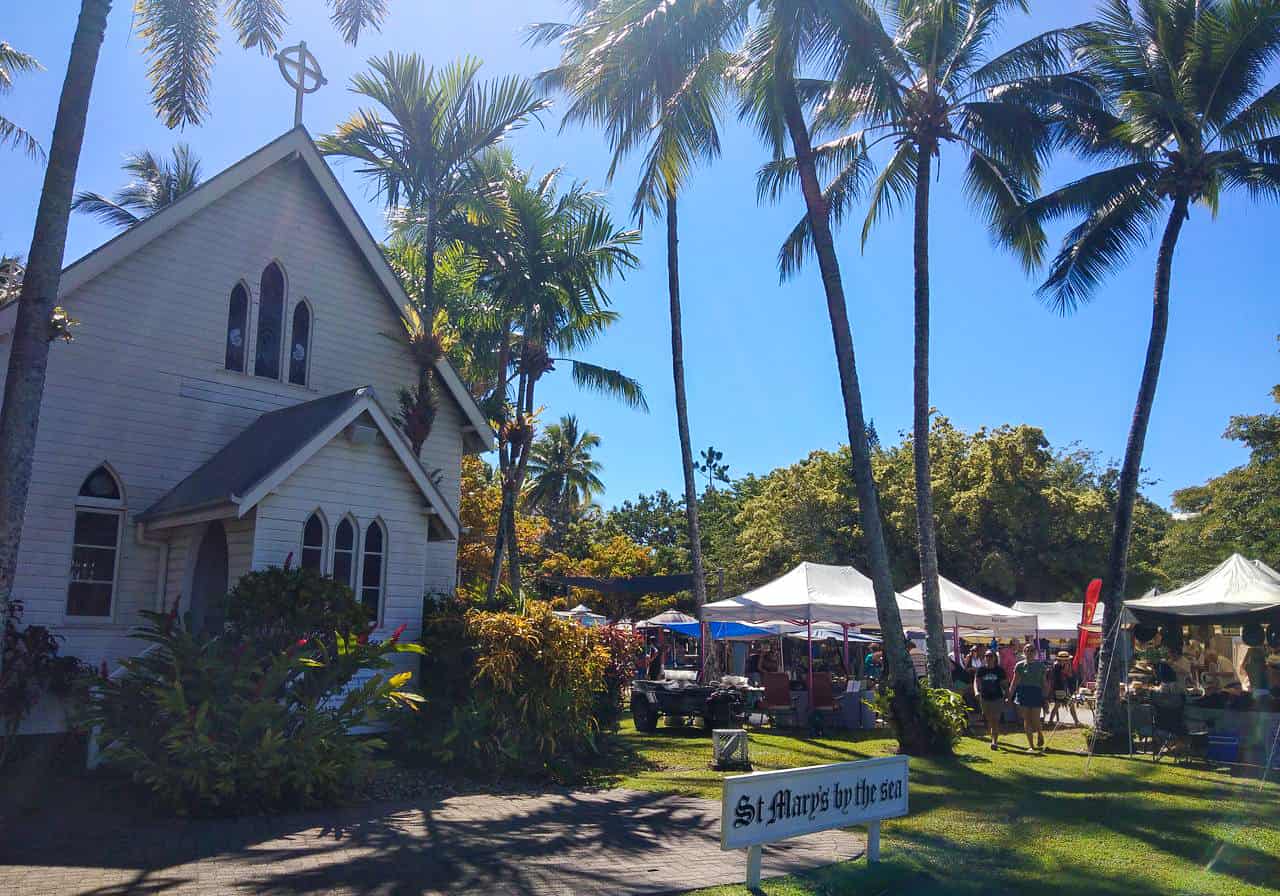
[(1065, 684)]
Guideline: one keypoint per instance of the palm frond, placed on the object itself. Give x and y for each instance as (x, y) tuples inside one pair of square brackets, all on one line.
[(12, 135), (894, 186), (181, 39), (106, 210), (13, 61), (350, 17), (258, 23), (610, 382)]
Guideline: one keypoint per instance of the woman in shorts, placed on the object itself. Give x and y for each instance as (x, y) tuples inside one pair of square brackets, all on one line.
[(989, 689), (1028, 689)]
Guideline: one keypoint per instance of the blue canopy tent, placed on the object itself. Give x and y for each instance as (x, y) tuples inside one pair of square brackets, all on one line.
[(720, 630)]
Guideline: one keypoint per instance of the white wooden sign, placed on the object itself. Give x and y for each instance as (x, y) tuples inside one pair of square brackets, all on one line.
[(768, 806)]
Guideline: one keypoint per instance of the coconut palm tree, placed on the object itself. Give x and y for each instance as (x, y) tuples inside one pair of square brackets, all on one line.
[(181, 40), (12, 62), (652, 75), (924, 79), (548, 267), (788, 40), (420, 146), (563, 477), (157, 184), (1187, 116)]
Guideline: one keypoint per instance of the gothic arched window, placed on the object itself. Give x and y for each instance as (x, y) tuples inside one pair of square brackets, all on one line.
[(270, 323)]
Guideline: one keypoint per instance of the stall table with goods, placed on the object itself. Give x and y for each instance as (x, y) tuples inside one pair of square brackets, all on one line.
[(1196, 689)]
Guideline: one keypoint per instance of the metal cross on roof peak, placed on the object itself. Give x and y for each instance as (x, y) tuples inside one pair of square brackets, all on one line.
[(297, 65)]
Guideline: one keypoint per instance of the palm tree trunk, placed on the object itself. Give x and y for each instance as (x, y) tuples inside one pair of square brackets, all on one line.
[(682, 417), (29, 356), (521, 465), (913, 735), (935, 638), (1107, 727)]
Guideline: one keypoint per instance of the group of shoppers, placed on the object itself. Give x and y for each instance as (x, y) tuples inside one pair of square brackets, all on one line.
[(1036, 688)]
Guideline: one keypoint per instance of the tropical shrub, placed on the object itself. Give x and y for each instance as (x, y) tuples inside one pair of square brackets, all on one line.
[(275, 607), (624, 647), (30, 666), (506, 693), (942, 710), (233, 724)]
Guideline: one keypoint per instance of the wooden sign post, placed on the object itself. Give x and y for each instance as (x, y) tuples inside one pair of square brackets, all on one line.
[(768, 806)]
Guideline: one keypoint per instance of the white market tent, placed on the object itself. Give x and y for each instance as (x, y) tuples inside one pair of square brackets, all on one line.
[(583, 615), (667, 617), (1060, 619), (1236, 589), (961, 607), (811, 593)]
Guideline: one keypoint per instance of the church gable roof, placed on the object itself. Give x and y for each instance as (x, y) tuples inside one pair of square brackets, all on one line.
[(295, 143)]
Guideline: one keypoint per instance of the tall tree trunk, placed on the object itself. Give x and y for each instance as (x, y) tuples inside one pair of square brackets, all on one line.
[(520, 462), (29, 355), (913, 735), (935, 637), (1108, 731), (682, 421), (500, 531)]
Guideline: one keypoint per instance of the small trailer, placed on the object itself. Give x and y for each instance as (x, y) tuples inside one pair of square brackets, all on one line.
[(724, 703)]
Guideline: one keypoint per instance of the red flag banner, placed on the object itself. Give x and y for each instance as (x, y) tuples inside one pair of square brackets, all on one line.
[(1085, 638)]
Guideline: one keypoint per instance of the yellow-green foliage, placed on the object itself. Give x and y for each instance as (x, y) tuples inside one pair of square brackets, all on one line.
[(507, 693)]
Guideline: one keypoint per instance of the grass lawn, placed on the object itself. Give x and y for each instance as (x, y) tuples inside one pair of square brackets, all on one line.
[(988, 822)]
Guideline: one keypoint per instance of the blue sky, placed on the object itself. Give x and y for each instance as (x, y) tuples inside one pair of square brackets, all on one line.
[(762, 380)]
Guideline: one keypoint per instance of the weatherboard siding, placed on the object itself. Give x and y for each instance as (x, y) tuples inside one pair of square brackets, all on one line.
[(142, 388), (366, 482)]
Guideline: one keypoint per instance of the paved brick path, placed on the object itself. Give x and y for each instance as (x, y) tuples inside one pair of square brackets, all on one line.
[(608, 842)]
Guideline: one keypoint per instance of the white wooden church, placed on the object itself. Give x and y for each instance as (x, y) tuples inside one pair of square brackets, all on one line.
[(223, 407)]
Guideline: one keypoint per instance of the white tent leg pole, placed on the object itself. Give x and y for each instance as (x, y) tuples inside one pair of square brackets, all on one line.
[(1271, 755)]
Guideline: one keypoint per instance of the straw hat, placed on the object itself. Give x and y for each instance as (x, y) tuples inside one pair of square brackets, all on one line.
[(1063, 655)]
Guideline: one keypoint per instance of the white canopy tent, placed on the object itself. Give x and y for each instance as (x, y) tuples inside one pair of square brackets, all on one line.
[(583, 615), (666, 617), (811, 593), (1236, 589), (1060, 619), (961, 607)]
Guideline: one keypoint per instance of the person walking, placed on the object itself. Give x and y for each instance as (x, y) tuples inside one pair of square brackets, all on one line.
[(989, 687), (1065, 684), (1027, 689)]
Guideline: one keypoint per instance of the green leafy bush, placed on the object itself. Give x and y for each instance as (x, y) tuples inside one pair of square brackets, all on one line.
[(30, 666), (506, 693), (943, 711), (234, 724), (275, 607)]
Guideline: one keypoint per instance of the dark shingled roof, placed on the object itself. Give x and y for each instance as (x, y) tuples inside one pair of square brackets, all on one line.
[(251, 456)]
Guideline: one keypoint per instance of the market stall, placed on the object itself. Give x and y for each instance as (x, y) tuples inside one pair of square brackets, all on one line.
[(1196, 675), (583, 615), (811, 595), (980, 616)]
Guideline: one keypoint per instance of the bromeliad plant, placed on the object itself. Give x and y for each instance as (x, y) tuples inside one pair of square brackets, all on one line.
[(227, 724)]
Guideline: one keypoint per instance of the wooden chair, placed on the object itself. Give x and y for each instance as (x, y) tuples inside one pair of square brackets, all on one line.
[(823, 698), (777, 696)]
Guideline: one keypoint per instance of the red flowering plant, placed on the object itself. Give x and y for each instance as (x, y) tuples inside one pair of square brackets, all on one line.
[(624, 646), (257, 717)]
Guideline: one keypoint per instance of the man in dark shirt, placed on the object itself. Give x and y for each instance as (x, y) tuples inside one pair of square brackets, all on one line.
[(989, 688)]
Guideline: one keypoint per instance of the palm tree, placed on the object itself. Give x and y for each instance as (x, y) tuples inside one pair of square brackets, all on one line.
[(182, 40), (923, 81), (1186, 116), (652, 74), (12, 62), (548, 267), (422, 145), (157, 184), (563, 475), (788, 37)]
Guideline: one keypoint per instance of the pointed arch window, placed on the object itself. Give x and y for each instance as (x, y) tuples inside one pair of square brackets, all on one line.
[(95, 545), (313, 543), (270, 323), (300, 344), (237, 328), (373, 565), (344, 553)]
